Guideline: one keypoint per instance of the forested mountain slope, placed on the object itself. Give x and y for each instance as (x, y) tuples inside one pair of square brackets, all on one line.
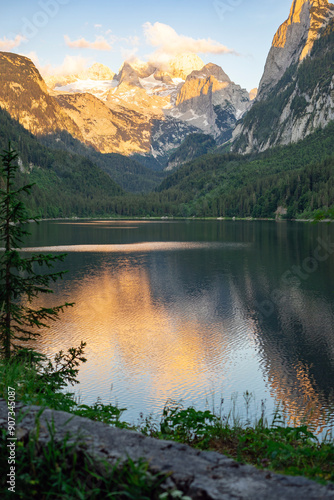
[(293, 181), (66, 184)]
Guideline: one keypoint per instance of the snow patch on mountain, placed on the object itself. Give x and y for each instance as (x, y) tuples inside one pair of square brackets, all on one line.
[(97, 88), (183, 94)]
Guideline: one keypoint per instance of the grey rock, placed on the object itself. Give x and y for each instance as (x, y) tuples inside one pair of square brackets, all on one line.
[(128, 75), (200, 475), (296, 36), (291, 45), (210, 70)]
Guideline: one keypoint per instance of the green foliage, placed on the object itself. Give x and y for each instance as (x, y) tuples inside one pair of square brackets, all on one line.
[(299, 104), (66, 184), (324, 214), (106, 413), (317, 70), (298, 177), (36, 384), (281, 448), (64, 369), (39, 380), (64, 470), (186, 425), (20, 283), (192, 147), (289, 450), (130, 173)]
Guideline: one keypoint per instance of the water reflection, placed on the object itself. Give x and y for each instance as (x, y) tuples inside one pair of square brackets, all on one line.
[(172, 311), (173, 344)]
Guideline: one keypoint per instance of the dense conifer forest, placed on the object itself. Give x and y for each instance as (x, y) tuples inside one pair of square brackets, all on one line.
[(298, 178)]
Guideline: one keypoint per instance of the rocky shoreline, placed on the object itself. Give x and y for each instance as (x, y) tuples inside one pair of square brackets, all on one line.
[(200, 475)]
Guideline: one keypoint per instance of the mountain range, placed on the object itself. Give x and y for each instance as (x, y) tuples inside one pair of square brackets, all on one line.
[(143, 109), (142, 123)]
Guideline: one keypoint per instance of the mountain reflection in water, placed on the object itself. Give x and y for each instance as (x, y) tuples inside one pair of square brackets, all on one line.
[(171, 311)]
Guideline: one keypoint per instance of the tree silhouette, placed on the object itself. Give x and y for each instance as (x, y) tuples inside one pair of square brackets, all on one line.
[(21, 279)]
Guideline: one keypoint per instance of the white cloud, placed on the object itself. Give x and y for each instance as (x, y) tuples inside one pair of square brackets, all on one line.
[(7, 45), (169, 43), (71, 65), (133, 40), (129, 55), (99, 44), (97, 25)]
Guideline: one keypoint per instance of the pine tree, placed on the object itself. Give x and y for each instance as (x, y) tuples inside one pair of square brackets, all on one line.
[(21, 280)]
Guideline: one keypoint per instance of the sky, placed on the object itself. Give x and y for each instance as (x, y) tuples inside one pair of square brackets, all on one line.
[(66, 36)]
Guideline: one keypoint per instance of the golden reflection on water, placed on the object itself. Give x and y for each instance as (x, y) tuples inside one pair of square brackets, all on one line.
[(299, 402), (132, 330), (133, 247), (124, 325), (141, 331)]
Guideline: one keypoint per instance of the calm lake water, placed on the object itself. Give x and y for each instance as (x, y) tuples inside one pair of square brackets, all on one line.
[(198, 311)]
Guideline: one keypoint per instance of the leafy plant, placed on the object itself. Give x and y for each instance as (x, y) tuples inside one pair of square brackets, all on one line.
[(108, 414), (187, 425), (66, 471)]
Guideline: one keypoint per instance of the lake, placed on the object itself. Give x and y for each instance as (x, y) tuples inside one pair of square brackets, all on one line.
[(198, 312)]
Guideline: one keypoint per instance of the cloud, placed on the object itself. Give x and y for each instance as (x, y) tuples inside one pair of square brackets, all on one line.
[(169, 43), (97, 25), (71, 65), (7, 45), (129, 55), (133, 40), (99, 44)]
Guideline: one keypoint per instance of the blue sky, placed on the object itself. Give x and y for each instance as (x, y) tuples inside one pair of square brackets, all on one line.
[(109, 31)]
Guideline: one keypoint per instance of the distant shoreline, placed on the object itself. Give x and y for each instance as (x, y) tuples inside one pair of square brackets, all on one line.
[(171, 218)]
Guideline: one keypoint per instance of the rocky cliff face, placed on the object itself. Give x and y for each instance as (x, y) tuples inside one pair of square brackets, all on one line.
[(183, 93), (127, 116), (210, 101), (296, 94), (294, 39), (24, 95), (109, 131), (192, 147), (146, 108), (114, 126)]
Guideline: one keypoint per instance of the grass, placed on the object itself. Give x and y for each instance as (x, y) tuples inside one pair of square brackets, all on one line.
[(60, 471), (277, 447), (63, 471)]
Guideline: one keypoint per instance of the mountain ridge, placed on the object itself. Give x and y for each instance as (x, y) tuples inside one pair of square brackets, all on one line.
[(24, 94), (302, 100), (141, 110), (294, 39)]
